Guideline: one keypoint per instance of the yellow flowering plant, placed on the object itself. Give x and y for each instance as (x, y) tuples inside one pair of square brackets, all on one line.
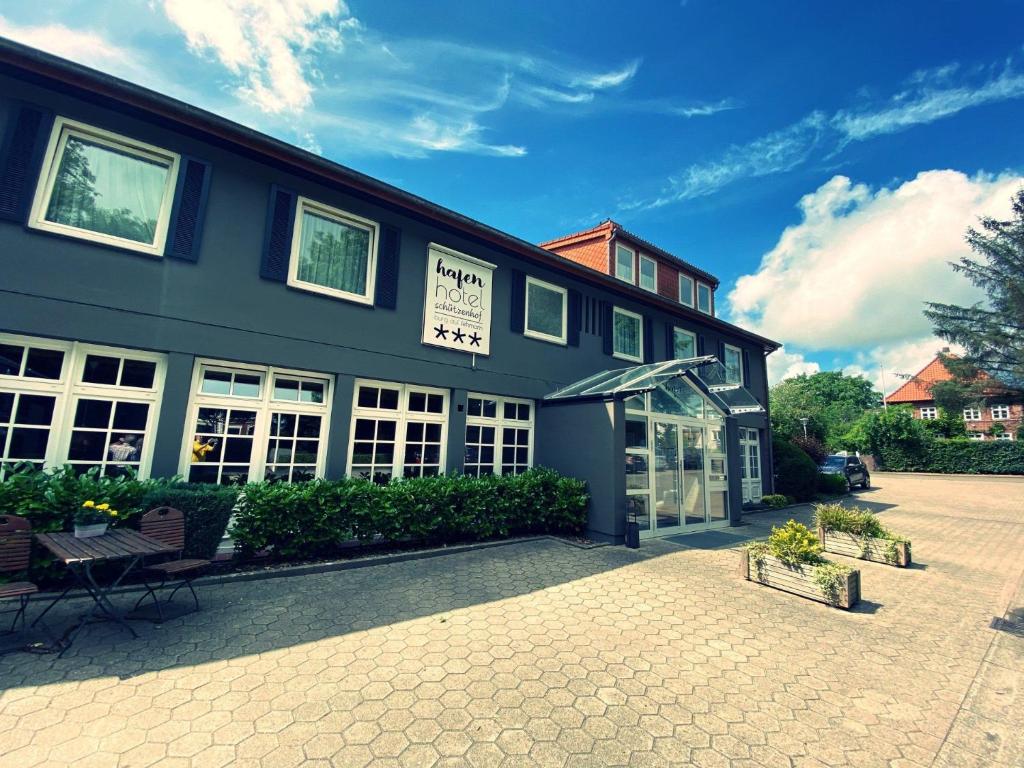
[(91, 513)]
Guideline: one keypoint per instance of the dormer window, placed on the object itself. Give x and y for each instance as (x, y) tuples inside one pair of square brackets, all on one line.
[(625, 260), (648, 274), (685, 290), (704, 298)]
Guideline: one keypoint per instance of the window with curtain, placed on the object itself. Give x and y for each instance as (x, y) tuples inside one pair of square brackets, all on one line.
[(106, 187), (733, 365), (684, 344), (545, 310), (627, 331), (333, 252)]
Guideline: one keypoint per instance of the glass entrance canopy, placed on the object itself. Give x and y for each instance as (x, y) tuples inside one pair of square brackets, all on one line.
[(706, 373)]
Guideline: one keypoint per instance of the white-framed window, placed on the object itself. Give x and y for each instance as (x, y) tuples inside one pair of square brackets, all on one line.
[(1000, 412), (972, 414), (1004, 436), (684, 344), (398, 430), (627, 335), (80, 404), (253, 422), (625, 263), (648, 274), (101, 186), (499, 435), (685, 290), (333, 252), (929, 412), (704, 298), (733, 364), (976, 435), (546, 311)]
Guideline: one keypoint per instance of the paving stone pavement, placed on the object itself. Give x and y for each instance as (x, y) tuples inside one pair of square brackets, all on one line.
[(542, 654)]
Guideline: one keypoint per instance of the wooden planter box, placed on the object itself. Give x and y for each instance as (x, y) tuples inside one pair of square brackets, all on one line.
[(798, 579), (841, 543)]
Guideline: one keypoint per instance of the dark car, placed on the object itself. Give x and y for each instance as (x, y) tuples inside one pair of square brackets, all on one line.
[(851, 467)]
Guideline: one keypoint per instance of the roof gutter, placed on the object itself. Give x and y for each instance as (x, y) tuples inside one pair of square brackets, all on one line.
[(17, 57)]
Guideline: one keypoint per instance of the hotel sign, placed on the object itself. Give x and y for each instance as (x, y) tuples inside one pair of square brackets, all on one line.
[(457, 305)]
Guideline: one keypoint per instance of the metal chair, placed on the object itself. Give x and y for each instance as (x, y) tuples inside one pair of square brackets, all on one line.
[(15, 549), (167, 525)]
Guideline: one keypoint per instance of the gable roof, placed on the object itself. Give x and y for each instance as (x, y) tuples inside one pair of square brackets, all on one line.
[(919, 387), (60, 74), (609, 228)]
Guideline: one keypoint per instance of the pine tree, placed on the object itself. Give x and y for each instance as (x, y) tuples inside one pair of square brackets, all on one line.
[(992, 333)]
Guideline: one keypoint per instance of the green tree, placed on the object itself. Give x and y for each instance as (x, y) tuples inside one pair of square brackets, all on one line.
[(829, 400), (893, 436), (992, 333)]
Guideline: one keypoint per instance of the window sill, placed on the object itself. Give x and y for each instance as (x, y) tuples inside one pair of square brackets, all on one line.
[(561, 342), (330, 293), (106, 241), (627, 358)]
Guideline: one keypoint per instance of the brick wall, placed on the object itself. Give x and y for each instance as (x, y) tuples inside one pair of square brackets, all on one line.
[(668, 281), (591, 253)]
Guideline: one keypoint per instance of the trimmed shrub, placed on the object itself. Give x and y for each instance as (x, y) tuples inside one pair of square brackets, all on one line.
[(796, 474), (207, 510), (831, 484), (812, 446), (775, 500), (996, 457), (314, 519)]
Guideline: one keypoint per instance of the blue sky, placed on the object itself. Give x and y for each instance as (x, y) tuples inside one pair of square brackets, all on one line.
[(823, 164)]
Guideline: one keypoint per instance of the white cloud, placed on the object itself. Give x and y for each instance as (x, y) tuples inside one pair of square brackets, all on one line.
[(80, 45), (928, 96), (855, 272), (926, 103), (776, 152), (265, 43), (785, 365), (603, 80)]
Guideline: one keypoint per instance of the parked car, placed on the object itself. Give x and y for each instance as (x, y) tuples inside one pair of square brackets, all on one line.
[(851, 467)]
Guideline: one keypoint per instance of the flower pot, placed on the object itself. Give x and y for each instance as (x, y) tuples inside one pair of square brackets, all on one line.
[(866, 547), (798, 579), (87, 531)]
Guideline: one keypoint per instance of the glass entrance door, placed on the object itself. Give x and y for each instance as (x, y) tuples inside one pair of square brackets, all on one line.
[(694, 501), (668, 484)]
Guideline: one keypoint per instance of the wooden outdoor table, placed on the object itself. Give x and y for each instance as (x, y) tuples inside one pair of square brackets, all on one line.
[(80, 555)]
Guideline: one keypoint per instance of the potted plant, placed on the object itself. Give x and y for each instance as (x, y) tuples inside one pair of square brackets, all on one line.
[(791, 560), (92, 519), (856, 532)]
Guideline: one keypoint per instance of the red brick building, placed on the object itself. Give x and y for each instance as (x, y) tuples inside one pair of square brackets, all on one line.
[(979, 419), (611, 249)]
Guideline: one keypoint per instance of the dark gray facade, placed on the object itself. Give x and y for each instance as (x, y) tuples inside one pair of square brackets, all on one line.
[(219, 307)]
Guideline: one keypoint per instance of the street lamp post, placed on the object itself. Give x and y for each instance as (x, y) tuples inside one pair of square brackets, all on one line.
[(803, 423)]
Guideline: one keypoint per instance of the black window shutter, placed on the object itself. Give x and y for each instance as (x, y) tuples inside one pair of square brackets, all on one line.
[(387, 267), (648, 340), (21, 155), (721, 352), (746, 368), (189, 210), (575, 318), (518, 301), (670, 341), (700, 345), (609, 323), (277, 240)]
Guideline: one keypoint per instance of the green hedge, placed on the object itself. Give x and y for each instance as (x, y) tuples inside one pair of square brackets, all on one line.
[(795, 474), (314, 519), (995, 457), (49, 499), (831, 484), (207, 510)]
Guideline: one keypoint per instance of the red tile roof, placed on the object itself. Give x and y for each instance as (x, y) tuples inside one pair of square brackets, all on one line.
[(919, 388)]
